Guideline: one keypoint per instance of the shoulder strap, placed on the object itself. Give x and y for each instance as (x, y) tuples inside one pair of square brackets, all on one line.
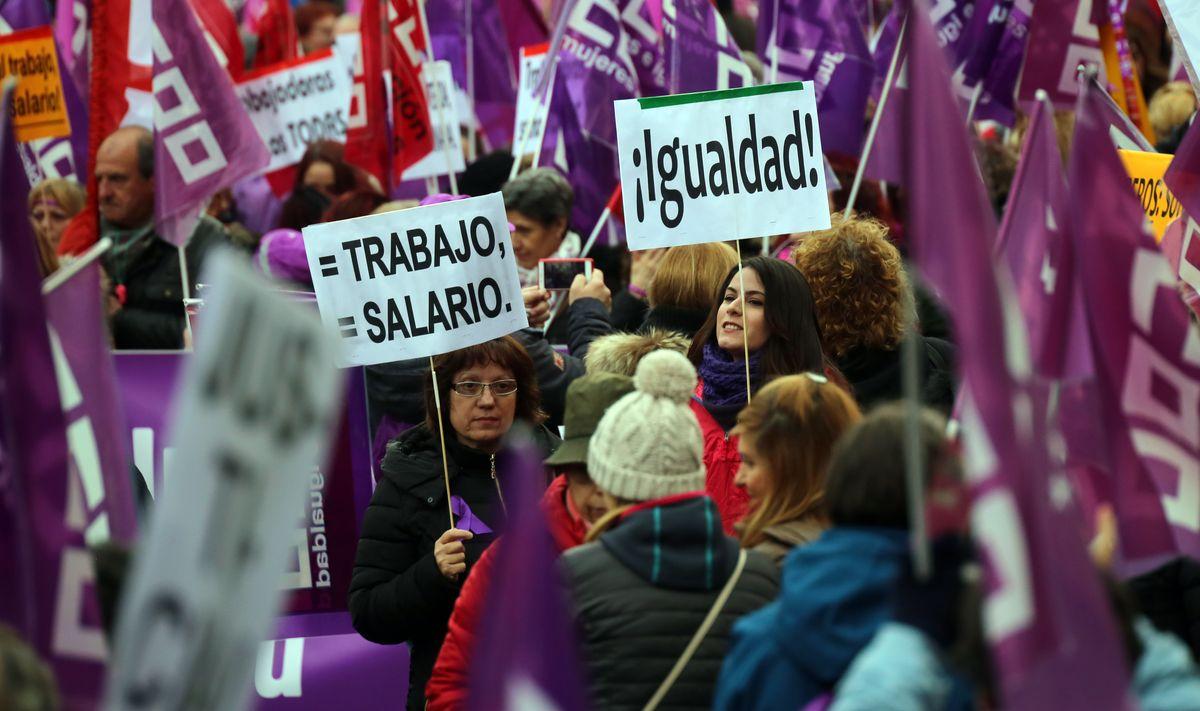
[(697, 638)]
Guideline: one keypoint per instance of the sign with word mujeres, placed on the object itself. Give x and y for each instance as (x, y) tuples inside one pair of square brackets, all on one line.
[(417, 282), (721, 165)]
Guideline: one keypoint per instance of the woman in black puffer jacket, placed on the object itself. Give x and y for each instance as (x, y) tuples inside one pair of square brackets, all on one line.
[(659, 562), (410, 561)]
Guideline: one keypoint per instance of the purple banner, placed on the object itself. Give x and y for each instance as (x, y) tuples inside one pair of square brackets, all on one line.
[(203, 138), (822, 42), (341, 671), (73, 33), (644, 34), (993, 53), (1062, 35), (602, 71), (47, 590), (701, 54)]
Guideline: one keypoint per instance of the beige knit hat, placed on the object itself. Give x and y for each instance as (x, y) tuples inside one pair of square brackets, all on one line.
[(648, 445)]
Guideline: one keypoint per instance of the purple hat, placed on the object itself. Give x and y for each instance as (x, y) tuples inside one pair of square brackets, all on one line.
[(281, 255)]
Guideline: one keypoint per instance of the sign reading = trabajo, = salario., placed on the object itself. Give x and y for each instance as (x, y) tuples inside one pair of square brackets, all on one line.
[(417, 282)]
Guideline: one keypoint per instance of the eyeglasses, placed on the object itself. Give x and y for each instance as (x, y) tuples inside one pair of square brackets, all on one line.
[(499, 388)]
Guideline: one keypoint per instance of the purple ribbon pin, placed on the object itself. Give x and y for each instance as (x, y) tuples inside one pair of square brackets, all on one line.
[(466, 518)]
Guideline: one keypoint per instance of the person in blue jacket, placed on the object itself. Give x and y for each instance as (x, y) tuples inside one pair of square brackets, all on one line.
[(836, 591)]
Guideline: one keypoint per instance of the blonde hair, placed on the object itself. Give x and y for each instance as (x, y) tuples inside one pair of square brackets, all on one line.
[(1171, 106), (688, 277), (68, 195), (793, 424)]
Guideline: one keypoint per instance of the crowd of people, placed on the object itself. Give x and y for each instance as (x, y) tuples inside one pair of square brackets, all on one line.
[(724, 453)]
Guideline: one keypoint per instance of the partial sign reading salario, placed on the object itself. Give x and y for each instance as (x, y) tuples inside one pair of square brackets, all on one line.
[(720, 165), (417, 282)]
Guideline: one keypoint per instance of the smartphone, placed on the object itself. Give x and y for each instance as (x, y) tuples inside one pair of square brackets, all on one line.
[(557, 274)]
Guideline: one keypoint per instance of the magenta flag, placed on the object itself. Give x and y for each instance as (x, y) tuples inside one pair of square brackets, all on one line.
[(1147, 352), (1061, 37), (526, 655), (641, 20), (1183, 175), (203, 139), (701, 54), (992, 53), (1053, 640), (1033, 241), (47, 589)]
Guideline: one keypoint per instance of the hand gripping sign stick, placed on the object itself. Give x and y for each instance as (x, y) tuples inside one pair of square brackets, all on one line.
[(876, 120), (437, 403)]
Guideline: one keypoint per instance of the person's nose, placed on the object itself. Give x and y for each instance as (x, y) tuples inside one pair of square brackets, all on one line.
[(487, 399)]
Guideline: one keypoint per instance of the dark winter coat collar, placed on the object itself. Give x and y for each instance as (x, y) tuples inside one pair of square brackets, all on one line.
[(673, 318), (674, 543)]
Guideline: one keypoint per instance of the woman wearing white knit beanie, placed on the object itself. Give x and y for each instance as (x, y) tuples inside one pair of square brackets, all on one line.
[(646, 588)]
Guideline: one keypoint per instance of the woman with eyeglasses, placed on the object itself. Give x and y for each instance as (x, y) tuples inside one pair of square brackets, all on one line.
[(785, 438), (411, 562)]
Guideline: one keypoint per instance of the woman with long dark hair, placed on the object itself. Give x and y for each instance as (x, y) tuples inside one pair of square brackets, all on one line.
[(766, 313)]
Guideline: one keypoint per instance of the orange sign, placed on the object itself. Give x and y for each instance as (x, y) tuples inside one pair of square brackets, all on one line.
[(39, 109), (1146, 173)]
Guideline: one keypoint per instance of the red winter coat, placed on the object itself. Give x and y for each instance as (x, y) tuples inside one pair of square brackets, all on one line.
[(447, 688), (721, 462)]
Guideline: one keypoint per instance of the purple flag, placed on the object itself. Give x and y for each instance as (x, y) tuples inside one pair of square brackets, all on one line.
[(46, 589), (644, 34), (203, 139), (822, 42), (992, 53), (64, 157), (1051, 631), (1183, 175), (472, 32), (73, 33), (701, 54), (1147, 353), (1062, 35), (526, 655), (91, 403), (1033, 241)]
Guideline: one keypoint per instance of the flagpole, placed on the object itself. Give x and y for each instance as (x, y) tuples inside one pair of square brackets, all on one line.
[(914, 465), (72, 268), (876, 120), (775, 44), (437, 404), (975, 96), (745, 317), (471, 81), (187, 293)]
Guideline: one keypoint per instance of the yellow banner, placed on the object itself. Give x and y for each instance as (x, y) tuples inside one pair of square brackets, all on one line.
[(1146, 172), (39, 109), (1112, 64)]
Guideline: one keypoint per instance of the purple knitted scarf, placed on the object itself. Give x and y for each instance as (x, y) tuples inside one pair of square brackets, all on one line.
[(725, 377)]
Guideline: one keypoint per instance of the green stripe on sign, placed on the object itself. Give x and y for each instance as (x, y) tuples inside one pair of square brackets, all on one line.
[(658, 102)]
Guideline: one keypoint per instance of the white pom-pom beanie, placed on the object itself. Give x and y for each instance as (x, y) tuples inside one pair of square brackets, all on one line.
[(648, 444)]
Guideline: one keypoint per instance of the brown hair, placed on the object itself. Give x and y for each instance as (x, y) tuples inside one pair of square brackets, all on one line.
[(793, 424), (70, 197), (312, 12), (505, 352), (859, 286), (353, 203), (1171, 106), (866, 484), (688, 276)]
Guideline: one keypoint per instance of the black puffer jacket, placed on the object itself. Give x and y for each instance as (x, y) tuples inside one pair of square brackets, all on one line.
[(642, 590), (1170, 597), (397, 593), (876, 378)]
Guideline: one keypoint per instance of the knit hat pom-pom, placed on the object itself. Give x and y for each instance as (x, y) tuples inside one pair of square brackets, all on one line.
[(666, 374)]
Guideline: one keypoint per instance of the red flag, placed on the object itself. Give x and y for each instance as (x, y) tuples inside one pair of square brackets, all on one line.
[(276, 34), (366, 145), (221, 29)]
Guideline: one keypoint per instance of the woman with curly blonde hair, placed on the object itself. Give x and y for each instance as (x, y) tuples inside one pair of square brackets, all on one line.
[(52, 204), (864, 301)]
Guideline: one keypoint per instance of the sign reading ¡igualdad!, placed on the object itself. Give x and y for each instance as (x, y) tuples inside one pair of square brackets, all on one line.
[(721, 165), (417, 282)]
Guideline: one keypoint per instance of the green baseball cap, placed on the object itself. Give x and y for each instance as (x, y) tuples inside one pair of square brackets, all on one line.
[(588, 398)]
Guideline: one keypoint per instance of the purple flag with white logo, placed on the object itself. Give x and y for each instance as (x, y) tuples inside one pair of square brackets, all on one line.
[(822, 42), (47, 589), (1062, 36), (701, 54), (644, 34), (92, 405), (1183, 175), (992, 53), (203, 139), (1146, 350), (526, 655), (470, 35), (73, 33), (64, 157), (1049, 624)]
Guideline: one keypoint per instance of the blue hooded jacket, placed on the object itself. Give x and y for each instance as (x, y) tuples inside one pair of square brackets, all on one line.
[(835, 596)]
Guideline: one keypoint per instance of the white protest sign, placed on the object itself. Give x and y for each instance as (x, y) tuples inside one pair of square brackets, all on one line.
[(297, 103), (1183, 19), (530, 123), (721, 165), (447, 155), (417, 282), (256, 410)]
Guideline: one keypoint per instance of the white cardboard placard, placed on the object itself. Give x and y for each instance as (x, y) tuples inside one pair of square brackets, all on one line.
[(417, 282), (447, 152), (256, 411), (529, 126), (721, 165)]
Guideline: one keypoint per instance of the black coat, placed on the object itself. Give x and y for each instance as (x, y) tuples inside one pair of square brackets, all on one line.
[(397, 593), (876, 376), (639, 598), (1170, 597), (153, 315)]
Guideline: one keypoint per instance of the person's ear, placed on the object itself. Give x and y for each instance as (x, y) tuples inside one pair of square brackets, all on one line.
[(559, 226)]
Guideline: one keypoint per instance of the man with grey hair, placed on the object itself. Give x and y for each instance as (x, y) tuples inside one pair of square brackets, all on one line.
[(539, 204)]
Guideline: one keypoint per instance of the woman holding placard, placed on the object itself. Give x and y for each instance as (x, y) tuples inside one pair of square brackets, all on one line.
[(762, 325), (411, 563)]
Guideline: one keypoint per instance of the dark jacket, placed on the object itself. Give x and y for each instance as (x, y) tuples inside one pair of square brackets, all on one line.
[(673, 318), (641, 591), (1170, 597), (397, 593), (876, 378), (153, 315), (628, 311), (836, 594), (586, 320)]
